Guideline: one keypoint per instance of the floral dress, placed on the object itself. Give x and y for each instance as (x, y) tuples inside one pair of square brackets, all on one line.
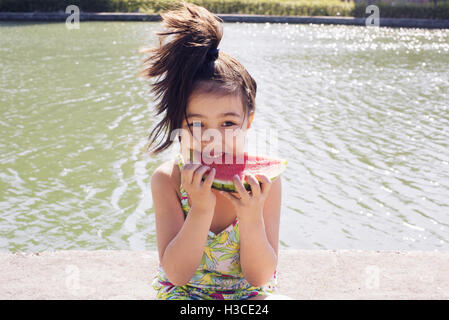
[(219, 275)]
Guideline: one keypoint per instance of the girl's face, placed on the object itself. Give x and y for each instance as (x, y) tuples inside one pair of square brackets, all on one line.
[(218, 125)]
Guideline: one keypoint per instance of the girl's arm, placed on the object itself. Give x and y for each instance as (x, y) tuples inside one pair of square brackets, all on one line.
[(259, 236), (180, 242)]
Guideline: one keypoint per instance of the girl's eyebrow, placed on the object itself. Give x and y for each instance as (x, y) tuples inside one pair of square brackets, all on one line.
[(190, 115), (225, 114), (231, 113)]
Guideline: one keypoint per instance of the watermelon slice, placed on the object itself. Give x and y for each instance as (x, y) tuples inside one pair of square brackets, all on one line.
[(224, 171)]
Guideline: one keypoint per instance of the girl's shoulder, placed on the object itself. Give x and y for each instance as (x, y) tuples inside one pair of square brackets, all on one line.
[(166, 175)]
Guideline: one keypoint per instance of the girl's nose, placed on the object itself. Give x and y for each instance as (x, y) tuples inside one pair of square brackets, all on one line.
[(213, 147), (216, 145)]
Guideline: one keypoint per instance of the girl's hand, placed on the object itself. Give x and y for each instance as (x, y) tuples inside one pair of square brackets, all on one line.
[(200, 193), (250, 204)]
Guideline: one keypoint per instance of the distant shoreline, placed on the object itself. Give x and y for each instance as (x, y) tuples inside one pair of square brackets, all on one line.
[(248, 18)]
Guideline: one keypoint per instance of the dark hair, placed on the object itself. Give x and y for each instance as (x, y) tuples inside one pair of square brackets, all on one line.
[(184, 56)]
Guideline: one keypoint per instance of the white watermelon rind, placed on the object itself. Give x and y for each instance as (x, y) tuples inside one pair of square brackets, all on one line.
[(229, 186)]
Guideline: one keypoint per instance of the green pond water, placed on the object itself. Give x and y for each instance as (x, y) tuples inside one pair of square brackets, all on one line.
[(361, 114)]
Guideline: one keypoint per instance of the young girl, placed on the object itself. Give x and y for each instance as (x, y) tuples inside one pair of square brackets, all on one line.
[(211, 244)]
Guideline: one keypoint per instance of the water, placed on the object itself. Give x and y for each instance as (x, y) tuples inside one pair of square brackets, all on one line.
[(362, 116)]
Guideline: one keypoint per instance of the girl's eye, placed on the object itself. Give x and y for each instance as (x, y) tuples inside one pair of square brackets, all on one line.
[(228, 124)]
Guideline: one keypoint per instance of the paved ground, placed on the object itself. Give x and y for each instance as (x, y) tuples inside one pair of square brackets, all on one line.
[(302, 274)]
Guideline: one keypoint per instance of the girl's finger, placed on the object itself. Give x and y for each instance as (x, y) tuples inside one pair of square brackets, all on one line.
[(209, 179), (198, 174), (255, 188), (187, 173), (265, 183), (240, 188), (235, 195)]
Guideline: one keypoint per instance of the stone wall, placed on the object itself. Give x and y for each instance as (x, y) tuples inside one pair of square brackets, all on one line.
[(106, 16)]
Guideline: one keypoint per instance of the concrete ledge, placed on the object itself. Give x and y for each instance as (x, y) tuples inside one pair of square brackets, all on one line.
[(119, 16), (302, 274)]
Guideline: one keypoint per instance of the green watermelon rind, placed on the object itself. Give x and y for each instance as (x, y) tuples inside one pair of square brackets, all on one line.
[(229, 185)]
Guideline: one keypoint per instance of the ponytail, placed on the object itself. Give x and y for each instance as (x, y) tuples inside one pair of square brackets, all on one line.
[(189, 59)]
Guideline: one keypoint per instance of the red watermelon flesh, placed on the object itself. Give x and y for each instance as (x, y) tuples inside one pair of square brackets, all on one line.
[(227, 166)]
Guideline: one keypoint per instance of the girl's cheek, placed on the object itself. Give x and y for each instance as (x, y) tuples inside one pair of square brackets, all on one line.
[(237, 143), (187, 141)]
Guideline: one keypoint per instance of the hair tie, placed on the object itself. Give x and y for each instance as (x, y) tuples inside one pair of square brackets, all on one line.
[(213, 54)]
